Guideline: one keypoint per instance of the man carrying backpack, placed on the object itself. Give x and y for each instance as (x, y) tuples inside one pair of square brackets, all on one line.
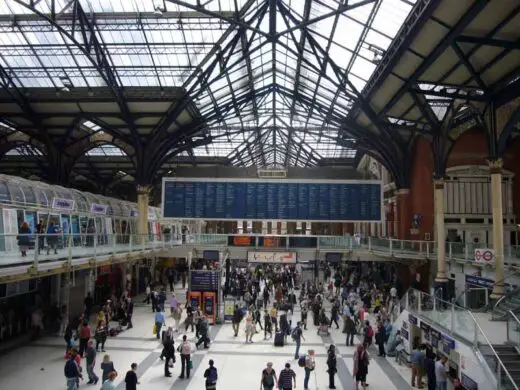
[(297, 336)]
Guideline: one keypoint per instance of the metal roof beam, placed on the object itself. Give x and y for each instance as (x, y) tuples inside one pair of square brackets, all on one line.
[(511, 45), (452, 35), (234, 21)]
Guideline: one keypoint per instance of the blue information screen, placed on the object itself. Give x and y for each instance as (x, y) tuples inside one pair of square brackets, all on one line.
[(282, 200)]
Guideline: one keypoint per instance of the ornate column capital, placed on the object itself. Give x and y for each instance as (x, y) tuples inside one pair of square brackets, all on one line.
[(495, 166), (438, 184), (402, 191), (143, 190)]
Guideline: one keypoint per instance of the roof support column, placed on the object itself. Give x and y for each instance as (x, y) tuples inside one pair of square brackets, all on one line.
[(495, 169), (438, 196), (143, 198), (404, 213)]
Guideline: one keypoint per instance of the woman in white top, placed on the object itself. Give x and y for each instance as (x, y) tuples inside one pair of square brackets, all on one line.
[(185, 350)]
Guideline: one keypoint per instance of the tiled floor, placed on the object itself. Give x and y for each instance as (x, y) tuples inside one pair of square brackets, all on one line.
[(40, 366)]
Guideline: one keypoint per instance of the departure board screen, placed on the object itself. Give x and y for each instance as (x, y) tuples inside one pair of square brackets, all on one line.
[(274, 199)]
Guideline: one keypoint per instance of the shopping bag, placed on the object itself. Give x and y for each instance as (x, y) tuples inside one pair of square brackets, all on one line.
[(190, 364), (154, 329)]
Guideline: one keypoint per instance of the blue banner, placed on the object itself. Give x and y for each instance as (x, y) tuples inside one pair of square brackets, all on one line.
[(275, 200)]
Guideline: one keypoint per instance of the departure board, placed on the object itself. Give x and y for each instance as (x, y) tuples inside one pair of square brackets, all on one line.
[(273, 199)]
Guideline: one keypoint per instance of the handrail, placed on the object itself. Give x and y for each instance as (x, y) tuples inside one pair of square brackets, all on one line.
[(499, 385), (512, 314)]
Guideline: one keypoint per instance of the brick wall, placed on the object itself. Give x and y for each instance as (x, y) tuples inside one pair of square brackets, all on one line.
[(469, 149)]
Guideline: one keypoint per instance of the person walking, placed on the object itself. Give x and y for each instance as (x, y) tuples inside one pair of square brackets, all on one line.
[(429, 368), (250, 329), (101, 336), (204, 332), (417, 361), (109, 383), (269, 380), (332, 365), (90, 355), (169, 353), (159, 322), (24, 239), (131, 380), (72, 371), (310, 365), (211, 375), (297, 336), (267, 325), (286, 378), (237, 318), (107, 366), (440, 373), (129, 312), (148, 294), (380, 339), (350, 330), (185, 351), (361, 361), (84, 336)]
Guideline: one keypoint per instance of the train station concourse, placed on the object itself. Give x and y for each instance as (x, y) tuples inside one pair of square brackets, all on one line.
[(341, 173)]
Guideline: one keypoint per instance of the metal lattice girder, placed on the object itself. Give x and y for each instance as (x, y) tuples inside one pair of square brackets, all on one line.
[(93, 49), (474, 10)]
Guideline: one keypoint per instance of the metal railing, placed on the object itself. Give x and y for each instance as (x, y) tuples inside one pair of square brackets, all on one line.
[(100, 243), (513, 329), (377, 245), (37, 248), (460, 323)]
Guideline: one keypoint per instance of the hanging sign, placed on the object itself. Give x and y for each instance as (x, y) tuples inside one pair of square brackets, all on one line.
[(485, 256), (271, 257), (96, 208), (63, 204)]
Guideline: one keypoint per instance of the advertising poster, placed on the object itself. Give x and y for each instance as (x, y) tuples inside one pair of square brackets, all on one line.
[(229, 308)]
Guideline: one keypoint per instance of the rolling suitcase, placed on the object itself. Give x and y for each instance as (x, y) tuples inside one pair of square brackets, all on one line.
[(278, 339)]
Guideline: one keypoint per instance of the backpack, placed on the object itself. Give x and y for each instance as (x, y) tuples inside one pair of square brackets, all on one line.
[(370, 331), (301, 361), (212, 375), (295, 334)]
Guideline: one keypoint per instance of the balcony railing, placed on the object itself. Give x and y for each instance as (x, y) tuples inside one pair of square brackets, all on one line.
[(55, 247)]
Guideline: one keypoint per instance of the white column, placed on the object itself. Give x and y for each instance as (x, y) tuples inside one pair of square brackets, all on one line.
[(495, 169), (440, 231)]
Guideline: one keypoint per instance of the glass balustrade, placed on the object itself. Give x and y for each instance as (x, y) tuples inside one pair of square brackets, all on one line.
[(463, 325), (106, 244)]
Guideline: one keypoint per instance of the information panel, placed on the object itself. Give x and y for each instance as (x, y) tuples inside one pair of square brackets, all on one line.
[(273, 199), (204, 280)]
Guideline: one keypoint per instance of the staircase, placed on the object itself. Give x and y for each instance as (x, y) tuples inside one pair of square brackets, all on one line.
[(510, 358)]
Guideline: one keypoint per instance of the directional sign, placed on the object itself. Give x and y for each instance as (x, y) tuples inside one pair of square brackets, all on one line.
[(484, 256)]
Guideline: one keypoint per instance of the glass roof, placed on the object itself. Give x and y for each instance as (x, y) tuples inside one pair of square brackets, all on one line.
[(273, 88), (106, 150)]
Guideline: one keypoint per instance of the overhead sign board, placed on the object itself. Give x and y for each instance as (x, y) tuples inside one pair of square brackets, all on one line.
[(272, 199), (96, 208), (484, 256), (63, 204), (271, 257)]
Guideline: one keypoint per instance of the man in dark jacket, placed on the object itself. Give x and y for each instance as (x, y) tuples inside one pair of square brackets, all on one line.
[(72, 371), (237, 318), (129, 312), (169, 353), (203, 331), (350, 330)]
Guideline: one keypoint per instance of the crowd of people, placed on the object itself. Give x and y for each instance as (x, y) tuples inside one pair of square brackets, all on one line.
[(275, 302)]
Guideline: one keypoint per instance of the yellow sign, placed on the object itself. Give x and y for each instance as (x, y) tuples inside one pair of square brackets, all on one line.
[(229, 309)]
